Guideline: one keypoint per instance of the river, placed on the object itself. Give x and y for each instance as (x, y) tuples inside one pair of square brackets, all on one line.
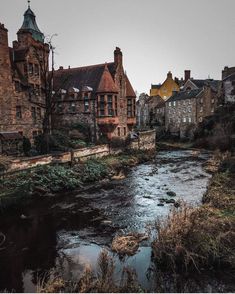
[(69, 231)]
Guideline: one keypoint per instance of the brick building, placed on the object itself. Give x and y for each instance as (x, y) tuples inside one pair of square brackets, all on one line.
[(100, 96), (21, 87)]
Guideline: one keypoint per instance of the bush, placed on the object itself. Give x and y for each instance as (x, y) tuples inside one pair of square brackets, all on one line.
[(94, 170)]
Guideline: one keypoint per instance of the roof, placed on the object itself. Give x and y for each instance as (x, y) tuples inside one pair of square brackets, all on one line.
[(129, 90), (201, 83), (10, 136), (30, 25), (161, 104), (106, 84), (80, 77), (156, 86), (183, 95)]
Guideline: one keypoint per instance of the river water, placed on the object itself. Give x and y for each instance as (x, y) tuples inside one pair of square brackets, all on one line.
[(68, 232)]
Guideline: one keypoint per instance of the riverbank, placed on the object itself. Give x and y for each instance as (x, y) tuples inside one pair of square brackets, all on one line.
[(201, 239), (46, 181)]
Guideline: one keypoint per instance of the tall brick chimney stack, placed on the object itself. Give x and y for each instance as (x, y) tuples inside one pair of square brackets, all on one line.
[(187, 75), (118, 56)]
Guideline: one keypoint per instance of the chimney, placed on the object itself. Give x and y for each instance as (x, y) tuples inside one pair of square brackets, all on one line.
[(118, 56), (61, 68), (187, 75), (169, 75)]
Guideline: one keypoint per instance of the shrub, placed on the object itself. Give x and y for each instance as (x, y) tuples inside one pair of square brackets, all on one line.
[(94, 170)]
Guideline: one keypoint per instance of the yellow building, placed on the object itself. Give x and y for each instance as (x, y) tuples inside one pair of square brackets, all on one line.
[(166, 89)]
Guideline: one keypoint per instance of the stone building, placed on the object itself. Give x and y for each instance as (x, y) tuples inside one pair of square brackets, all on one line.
[(21, 88), (165, 89), (185, 109), (100, 96), (228, 84), (142, 111)]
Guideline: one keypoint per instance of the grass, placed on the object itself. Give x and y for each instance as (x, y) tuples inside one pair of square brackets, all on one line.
[(200, 238), (104, 281)]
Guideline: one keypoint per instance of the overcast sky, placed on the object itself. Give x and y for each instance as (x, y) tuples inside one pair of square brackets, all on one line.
[(155, 35)]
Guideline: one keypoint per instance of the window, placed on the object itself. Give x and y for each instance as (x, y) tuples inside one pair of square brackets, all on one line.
[(124, 129), (36, 70), (189, 119), (59, 107), (212, 109), (17, 86), (184, 119), (86, 103), (102, 106), (201, 100), (201, 109), (119, 133), (174, 103), (72, 107), (30, 68), (110, 105), (129, 107), (18, 112), (33, 113), (169, 104), (39, 113), (116, 106), (37, 90)]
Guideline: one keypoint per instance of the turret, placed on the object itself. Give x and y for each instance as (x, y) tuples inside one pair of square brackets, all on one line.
[(30, 26)]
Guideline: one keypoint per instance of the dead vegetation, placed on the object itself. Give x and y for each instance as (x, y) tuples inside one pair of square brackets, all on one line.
[(200, 238), (103, 281), (127, 245)]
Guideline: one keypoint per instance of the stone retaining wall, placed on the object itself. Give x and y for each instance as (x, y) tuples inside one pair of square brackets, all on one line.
[(146, 141)]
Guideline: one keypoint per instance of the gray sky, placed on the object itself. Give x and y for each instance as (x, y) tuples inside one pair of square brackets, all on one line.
[(155, 35)]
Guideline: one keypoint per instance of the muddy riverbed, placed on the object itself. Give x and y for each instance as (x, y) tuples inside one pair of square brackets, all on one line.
[(68, 232)]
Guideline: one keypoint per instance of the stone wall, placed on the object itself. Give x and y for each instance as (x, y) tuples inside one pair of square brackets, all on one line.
[(146, 141)]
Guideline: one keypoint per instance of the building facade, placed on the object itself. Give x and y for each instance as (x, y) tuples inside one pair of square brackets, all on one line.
[(228, 84), (21, 87), (100, 96), (166, 89), (187, 108)]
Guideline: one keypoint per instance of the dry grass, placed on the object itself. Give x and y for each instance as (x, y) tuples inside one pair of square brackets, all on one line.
[(127, 245), (101, 282), (194, 239)]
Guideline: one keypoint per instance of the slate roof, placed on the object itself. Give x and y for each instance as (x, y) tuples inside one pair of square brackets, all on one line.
[(183, 95), (30, 25), (81, 76), (201, 83)]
